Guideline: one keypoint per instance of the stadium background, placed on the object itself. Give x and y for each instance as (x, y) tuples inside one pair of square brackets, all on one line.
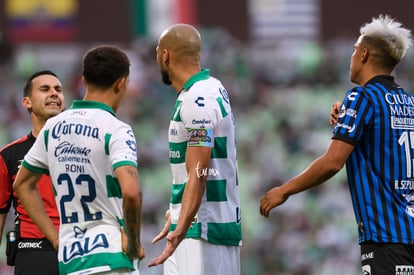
[(283, 61)]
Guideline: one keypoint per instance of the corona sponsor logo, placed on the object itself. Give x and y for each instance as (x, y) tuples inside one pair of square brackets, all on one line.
[(63, 128)]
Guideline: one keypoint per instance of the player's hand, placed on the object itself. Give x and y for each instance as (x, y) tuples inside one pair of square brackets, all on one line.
[(164, 231), (172, 243), (136, 252), (270, 200), (140, 252), (334, 113)]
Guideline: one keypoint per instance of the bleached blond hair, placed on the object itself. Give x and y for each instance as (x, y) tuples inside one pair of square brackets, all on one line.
[(396, 38)]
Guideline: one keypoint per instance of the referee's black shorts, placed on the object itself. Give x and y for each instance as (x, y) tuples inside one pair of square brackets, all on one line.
[(36, 257), (387, 259)]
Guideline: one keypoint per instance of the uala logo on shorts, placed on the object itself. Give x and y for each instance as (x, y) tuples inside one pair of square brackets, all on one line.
[(84, 246)]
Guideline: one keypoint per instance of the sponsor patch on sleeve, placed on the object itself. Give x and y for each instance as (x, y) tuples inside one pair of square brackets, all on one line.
[(200, 137)]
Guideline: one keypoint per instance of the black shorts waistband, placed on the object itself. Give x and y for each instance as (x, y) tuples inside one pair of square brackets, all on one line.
[(34, 244)]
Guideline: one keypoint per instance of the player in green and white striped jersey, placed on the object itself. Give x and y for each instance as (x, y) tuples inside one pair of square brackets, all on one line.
[(205, 203), (92, 159)]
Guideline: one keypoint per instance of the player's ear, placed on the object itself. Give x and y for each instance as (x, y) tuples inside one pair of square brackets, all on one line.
[(27, 103), (364, 55), (166, 57), (84, 82), (120, 84)]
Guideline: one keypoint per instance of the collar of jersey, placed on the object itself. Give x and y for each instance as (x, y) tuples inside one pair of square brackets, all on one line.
[(202, 75), (380, 78), (80, 104)]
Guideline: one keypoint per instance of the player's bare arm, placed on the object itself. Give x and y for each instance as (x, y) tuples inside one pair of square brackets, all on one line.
[(320, 170), (132, 196)]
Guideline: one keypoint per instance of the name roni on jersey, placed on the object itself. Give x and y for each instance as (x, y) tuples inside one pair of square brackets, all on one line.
[(64, 128)]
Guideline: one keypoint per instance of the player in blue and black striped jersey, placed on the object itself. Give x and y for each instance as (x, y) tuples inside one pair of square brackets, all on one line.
[(374, 137)]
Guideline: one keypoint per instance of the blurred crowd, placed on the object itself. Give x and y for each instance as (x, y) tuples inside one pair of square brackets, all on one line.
[(281, 94)]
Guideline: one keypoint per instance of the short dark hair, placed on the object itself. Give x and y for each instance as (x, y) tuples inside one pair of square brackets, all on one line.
[(380, 52), (103, 65), (28, 86)]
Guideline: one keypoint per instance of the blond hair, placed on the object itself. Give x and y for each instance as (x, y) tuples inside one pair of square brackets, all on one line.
[(396, 38)]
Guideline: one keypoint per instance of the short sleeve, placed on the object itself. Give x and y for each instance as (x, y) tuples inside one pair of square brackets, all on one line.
[(200, 115), (355, 114), (123, 147), (36, 158), (5, 187)]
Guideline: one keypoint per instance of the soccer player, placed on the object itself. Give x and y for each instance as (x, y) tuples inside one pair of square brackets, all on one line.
[(205, 231), (374, 136), (43, 98), (92, 159)]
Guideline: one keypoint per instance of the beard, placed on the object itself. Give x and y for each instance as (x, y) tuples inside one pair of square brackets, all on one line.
[(165, 77)]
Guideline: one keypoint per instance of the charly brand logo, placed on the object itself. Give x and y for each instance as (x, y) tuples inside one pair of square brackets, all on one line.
[(130, 133), (200, 101), (64, 128), (352, 96)]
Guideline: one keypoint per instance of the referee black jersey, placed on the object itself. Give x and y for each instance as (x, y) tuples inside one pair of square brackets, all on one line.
[(11, 156), (378, 120)]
